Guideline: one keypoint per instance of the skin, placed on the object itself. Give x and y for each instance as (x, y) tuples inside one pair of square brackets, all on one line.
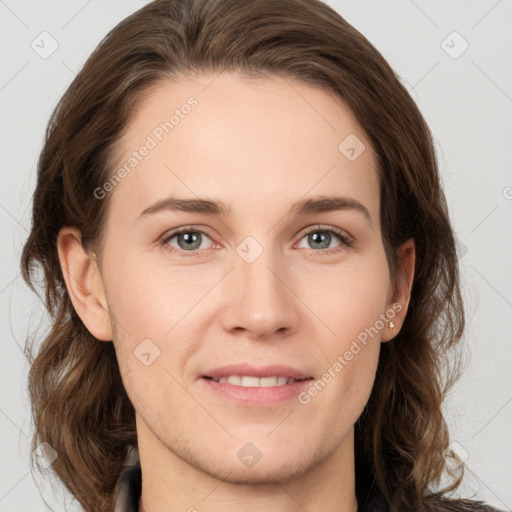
[(258, 145)]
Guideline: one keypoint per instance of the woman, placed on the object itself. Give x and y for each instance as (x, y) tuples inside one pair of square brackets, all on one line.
[(200, 336)]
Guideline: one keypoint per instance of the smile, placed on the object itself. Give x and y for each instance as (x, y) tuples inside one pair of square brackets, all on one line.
[(250, 381)]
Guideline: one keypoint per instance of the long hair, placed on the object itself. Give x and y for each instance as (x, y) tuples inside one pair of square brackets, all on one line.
[(79, 405)]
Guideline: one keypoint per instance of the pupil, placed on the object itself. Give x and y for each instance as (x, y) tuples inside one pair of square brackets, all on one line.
[(191, 239), (326, 237)]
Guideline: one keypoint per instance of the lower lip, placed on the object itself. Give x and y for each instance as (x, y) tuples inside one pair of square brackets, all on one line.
[(259, 396)]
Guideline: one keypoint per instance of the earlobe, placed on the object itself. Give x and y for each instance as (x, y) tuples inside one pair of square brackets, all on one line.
[(84, 283), (400, 303)]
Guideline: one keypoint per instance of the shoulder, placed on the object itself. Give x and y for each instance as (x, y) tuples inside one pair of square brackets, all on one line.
[(432, 503), (442, 504)]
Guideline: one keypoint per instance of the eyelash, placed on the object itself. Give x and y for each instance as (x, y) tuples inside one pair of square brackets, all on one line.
[(344, 239)]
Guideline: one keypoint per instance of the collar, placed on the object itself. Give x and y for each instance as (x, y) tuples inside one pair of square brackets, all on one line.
[(129, 487)]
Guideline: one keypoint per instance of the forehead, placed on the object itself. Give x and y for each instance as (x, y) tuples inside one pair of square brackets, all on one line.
[(244, 139)]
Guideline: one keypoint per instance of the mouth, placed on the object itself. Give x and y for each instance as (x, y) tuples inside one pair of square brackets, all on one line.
[(249, 385), (251, 381), (250, 376)]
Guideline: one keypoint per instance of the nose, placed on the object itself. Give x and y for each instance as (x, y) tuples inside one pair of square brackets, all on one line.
[(259, 301)]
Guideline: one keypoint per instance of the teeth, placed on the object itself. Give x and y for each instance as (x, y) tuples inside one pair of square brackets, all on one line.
[(272, 381), (249, 381)]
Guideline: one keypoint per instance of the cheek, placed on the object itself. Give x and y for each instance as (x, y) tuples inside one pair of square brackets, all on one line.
[(148, 300), (349, 298), (158, 315)]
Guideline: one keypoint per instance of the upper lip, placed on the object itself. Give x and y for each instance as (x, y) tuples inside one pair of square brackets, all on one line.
[(257, 371)]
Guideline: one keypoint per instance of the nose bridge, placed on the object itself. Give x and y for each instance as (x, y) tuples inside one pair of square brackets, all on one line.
[(260, 300)]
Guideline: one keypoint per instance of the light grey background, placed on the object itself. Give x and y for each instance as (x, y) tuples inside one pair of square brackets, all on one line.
[(467, 102)]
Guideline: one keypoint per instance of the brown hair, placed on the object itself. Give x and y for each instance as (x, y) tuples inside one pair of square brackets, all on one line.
[(79, 404)]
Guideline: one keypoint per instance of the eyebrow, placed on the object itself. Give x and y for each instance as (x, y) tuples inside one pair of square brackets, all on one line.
[(218, 208)]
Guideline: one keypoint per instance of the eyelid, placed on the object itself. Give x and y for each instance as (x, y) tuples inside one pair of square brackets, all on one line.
[(346, 240), (184, 229), (344, 235)]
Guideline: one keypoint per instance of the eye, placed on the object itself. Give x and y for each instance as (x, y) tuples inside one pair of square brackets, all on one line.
[(187, 240), (320, 238)]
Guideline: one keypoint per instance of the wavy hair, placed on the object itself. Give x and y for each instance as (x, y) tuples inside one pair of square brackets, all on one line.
[(79, 405)]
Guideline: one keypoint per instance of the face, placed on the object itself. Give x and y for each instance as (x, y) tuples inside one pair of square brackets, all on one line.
[(263, 276)]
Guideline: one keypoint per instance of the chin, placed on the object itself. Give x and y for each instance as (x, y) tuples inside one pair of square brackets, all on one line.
[(267, 472)]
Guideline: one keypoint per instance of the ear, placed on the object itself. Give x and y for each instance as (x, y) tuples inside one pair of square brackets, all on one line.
[(399, 303), (84, 283)]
